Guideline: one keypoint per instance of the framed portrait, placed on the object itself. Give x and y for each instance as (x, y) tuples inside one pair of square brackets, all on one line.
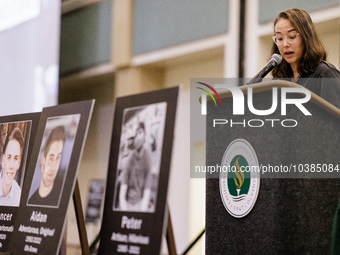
[(51, 178), (135, 206), (139, 157), (14, 141), (17, 134)]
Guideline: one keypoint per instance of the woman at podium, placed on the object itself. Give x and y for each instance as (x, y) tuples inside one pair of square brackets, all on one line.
[(304, 56)]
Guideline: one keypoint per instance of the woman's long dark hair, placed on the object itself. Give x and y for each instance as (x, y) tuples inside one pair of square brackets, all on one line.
[(314, 51)]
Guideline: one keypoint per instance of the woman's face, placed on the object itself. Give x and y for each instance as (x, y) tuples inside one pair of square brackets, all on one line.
[(291, 52)]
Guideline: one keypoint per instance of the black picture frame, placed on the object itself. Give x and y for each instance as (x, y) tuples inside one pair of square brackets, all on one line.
[(138, 231), (38, 228), (28, 124)]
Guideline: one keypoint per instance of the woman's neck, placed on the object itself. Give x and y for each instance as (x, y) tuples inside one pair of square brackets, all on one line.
[(296, 73)]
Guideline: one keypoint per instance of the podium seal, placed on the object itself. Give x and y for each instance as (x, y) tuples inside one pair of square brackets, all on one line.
[(240, 179)]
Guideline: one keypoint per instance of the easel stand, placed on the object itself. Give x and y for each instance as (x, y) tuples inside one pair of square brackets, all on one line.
[(80, 221), (170, 239)]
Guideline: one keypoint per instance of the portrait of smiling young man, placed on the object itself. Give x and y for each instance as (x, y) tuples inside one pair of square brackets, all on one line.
[(10, 191)]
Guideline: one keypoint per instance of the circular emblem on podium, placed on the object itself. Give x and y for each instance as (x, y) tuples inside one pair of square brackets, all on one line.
[(240, 182)]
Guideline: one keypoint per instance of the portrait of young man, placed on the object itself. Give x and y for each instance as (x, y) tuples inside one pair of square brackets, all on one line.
[(48, 192), (139, 158), (136, 183), (10, 191)]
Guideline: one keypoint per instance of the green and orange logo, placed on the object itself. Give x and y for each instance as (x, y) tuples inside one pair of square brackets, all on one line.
[(239, 187), (238, 180)]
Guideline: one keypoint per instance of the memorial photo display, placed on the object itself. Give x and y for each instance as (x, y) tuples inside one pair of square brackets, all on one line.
[(17, 134), (136, 189), (50, 178)]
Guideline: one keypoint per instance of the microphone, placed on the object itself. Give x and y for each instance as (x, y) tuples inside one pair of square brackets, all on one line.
[(275, 60)]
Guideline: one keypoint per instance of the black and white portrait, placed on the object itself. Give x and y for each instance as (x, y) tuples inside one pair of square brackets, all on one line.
[(139, 158)]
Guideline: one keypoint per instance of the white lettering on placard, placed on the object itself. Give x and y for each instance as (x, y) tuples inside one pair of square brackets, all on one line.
[(134, 249), (122, 248), (46, 232), (33, 239), (7, 228), (131, 223), (6, 216), (38, 217), (133, 238), (30, 248), (118, 237), (28, 229)]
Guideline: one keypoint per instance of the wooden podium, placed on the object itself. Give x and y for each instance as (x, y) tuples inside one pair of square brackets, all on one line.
[(292, 214)]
